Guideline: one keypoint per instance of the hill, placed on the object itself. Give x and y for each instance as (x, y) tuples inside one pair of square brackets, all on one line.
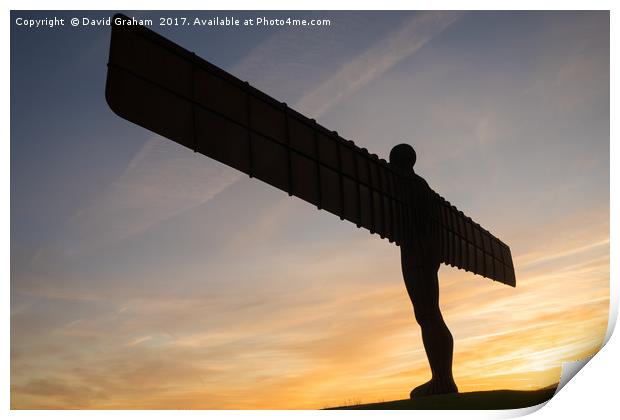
[(481, 400)]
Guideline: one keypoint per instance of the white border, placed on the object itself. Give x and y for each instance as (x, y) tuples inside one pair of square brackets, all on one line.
[(593, 393)]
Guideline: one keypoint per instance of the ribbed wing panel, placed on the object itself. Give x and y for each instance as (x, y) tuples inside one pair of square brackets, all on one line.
[(465, 244)]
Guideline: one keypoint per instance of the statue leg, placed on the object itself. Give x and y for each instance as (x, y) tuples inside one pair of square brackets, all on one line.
[(423, 288)]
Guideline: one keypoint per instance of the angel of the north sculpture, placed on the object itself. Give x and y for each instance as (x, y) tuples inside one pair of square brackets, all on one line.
[(164, 88)]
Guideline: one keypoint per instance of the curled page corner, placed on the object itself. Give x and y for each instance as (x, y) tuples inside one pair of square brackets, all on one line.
[(613, 311), (570, 369)]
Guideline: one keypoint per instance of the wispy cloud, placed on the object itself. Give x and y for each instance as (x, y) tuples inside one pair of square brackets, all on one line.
[(138, 340), (160, 182), (375, 61), (527, 261), (346, 342)]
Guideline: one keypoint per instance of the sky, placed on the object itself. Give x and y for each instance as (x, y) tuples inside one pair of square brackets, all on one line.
[(146, 276)]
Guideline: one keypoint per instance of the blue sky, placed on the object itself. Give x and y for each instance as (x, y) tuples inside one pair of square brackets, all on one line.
[(132, 254)]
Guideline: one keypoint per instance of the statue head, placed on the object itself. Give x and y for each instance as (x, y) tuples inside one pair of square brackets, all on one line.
[(403, 156)]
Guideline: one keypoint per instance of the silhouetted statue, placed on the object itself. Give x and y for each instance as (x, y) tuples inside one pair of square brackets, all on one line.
[(173, 92), (420, 259)]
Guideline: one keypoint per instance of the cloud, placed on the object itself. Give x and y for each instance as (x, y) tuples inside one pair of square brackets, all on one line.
[(528, 261), (374, 62), (139, 340), (160, 182), (343, 343)]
